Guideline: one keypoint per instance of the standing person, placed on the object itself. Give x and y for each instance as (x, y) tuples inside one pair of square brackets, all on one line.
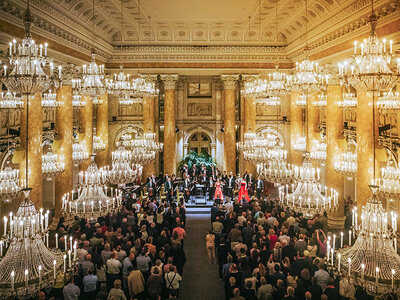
[(186, 188), (151, 188), (210, 188), (231, 185), (71, 291), (135, 284), (218, 191), (172, 280), (113, 267), (210, 245), (243, 193), (259, 187), (90, 285), (224, 181), (169, 189), (116, 292)]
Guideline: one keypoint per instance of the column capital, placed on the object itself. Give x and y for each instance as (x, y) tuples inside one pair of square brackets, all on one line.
[(69, 72), (169, 81), (229, 81), (149, 77)]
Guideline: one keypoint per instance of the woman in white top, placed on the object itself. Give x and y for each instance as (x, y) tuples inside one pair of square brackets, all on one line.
[(210, 245)]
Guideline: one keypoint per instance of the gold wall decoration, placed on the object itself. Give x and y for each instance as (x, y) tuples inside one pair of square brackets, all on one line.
[(134, 110), (264, 110), (199, 110)]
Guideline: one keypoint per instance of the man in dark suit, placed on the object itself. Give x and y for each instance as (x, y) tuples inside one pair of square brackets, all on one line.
[(186, 188), (231, 185), (165, 179), (151, 187), (211, 189), (204, 183), (224, 182), (169, 189), (259, 187)]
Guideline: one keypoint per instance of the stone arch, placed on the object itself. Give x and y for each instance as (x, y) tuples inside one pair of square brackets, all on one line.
[(199, 129)]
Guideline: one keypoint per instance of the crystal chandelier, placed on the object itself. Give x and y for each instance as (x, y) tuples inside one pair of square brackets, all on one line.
[(319, 153), (121, 171), (300, 144), (91, 200), (308, 196), (255, 87), (372, 261), (142, 87), (9, 183), (349, 100), (370, 69), (98, 144), (79, 154), (256, 156), (128, 100), (10, 100), (147, 143), (248, 141), (390, 180), (120, 84), (279, 84), (270, 101), (28, 265), (308, 78), (346, 163), (321, 101), (52, 165), (126, 140), (277, 170), (49, 100), (388, 102), (77, 100), (28, 64), (301, 100)]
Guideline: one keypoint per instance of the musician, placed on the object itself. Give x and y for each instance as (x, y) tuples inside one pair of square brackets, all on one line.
[(259, 187), (211, 190), (213, 176), (203, 170), (169, 189), (165, 179), (193, 172), (184, 171), (246, 176), (203, 181), (231, 185), (224, 183), (186, 185)]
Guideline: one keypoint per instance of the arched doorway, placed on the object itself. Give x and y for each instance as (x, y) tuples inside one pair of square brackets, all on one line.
[(200, 142)]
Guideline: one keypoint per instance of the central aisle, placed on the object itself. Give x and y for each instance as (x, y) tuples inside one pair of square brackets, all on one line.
[(200, 280)]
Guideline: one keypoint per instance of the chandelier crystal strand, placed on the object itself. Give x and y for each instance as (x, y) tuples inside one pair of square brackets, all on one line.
[(98, 144), (52, 165), (370, 68), (300, 144), (91, 199), (349, 100), (77, 100), (277, 170), (28, 264), (375, 247), (321, 101), (319, 153), (120, 84)]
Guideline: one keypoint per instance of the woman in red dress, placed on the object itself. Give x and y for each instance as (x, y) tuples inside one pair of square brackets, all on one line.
[(243, 193), (218, 191)]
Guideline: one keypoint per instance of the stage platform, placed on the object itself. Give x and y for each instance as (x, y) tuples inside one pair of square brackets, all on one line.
[(199, 205)]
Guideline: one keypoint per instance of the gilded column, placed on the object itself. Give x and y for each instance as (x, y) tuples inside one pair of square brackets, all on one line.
[(296, 128), (334, 128), (102, 130), (35, 150), (86, 123), (249, 121), (64, 121), (365, 147), (149, 126), (229, 82), (312, 121), (169, 123)]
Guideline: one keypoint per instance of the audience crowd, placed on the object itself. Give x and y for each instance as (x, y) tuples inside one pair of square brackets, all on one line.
[(265, 252), (136, 253)]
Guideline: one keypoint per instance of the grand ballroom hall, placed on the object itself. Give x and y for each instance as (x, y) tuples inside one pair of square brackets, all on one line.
[(199, 149)]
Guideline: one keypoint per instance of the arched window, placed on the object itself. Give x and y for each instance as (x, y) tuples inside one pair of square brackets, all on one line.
[(200, 143)]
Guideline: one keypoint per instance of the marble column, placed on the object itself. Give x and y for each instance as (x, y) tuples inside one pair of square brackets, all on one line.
[(312, 121), (334, 128), (35, 150), (169, 123), (86, 123), (365, 146), (149, 126), (296, 128), (63, 126), (102, 130), (250, 123), (229, 82)]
